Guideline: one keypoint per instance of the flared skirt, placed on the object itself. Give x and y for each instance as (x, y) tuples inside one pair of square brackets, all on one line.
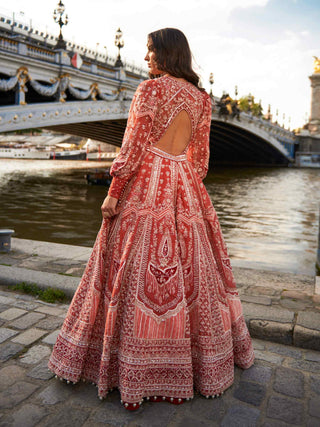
[(157, 312)]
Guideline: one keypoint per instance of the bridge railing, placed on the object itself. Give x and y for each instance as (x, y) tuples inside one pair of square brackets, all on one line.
[(18, 37)]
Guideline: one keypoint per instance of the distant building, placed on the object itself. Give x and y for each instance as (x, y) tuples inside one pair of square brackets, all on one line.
[(308, 154)]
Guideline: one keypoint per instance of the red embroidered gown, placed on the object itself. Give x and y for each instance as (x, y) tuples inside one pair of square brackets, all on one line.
[(157, 312)]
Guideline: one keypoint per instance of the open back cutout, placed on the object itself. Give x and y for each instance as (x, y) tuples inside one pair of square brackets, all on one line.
[(177, 136)]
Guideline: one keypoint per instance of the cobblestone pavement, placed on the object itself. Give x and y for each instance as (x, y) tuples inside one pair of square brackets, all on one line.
[(281, 389), (280, 307)]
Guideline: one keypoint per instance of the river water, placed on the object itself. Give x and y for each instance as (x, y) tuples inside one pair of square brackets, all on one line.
[(269, 216)]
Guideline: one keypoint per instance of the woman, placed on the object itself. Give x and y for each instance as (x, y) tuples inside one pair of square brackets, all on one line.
[(157, 312)]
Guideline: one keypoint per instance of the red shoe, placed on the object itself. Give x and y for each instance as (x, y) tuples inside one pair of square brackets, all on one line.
[(156, 399), (131, 406), (175, 400)]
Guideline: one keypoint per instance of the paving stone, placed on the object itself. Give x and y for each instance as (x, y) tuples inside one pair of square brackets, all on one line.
[(315, 384), (35, 354), (67, 418), (275, 423), (27, 416), (6, 300), (150, 414), (9, 375), (29, 336), (268, 357), (35, 263), (309, 320), (53, 311), (258, 374), (6, 333), (51, 338), (285, 409), (256, 299), (9, 350), (314, 407), (258, 345), (56, 392), (191, 422), (273, 331), (41, 371), (274, 314), (85, 396), (313, 356), (250, 392), (27, 320), (304, 365), (66, 262), (312, 422), (50, 323), (241, 416), (316, 299), (211, 409), (25, 305), (75, 271), (296, 295), (294, 305), (262, 290), (289, 382), (3, 307), (16, 393), (12, 313), (285, 350)]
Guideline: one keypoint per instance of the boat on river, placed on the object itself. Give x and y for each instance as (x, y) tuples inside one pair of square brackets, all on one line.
[(23, 153), (99, 177), (68, 155)]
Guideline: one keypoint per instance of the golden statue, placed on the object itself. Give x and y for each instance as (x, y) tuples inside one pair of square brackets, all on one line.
[(316, 65)]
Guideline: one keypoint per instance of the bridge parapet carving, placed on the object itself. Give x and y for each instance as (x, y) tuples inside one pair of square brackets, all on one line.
[(35, 71)]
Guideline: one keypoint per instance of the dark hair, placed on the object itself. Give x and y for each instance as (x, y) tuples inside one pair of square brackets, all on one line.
[(173, 54)]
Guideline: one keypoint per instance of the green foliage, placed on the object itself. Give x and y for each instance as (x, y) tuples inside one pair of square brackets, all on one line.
[(244, 104), (49, 295), (247, 104)]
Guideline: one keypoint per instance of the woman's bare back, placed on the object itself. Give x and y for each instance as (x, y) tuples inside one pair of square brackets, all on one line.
[(177, 136)]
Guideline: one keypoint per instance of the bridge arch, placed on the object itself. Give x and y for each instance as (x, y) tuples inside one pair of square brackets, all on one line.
[(246, 142)]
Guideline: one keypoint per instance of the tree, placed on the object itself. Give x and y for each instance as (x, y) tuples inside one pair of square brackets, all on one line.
[(247, 104)]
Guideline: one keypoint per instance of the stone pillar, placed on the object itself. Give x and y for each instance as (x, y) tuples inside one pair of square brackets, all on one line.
[(314, 123)]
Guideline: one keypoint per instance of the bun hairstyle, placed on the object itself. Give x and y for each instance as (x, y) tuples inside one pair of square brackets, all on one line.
[(173, 54)]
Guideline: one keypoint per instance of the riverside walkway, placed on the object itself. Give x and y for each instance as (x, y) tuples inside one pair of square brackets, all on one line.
[(281, 389)]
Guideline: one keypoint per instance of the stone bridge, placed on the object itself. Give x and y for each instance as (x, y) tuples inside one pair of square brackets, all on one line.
[(42, 87)]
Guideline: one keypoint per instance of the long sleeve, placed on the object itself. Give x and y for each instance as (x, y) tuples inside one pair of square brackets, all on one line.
[(199, 148), (136, 136)]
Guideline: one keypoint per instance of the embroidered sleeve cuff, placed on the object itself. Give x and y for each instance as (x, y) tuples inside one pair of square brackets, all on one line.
[(117, 186)]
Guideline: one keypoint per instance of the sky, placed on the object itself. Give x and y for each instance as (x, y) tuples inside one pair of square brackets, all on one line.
[(265, 47)]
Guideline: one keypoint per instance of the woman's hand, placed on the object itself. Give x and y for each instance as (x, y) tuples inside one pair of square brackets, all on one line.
[(108, 207)]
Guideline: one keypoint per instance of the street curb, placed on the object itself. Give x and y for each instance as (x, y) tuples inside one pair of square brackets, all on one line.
[(10, 276)]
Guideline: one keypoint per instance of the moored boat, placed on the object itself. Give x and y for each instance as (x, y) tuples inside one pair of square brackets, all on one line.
[(99, 177), (23, 153)]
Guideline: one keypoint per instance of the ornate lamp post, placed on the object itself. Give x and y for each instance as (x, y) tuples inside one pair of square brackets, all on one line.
[(269, 113), (119, 42), (250, 102), (211, 81), (59, 18)]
